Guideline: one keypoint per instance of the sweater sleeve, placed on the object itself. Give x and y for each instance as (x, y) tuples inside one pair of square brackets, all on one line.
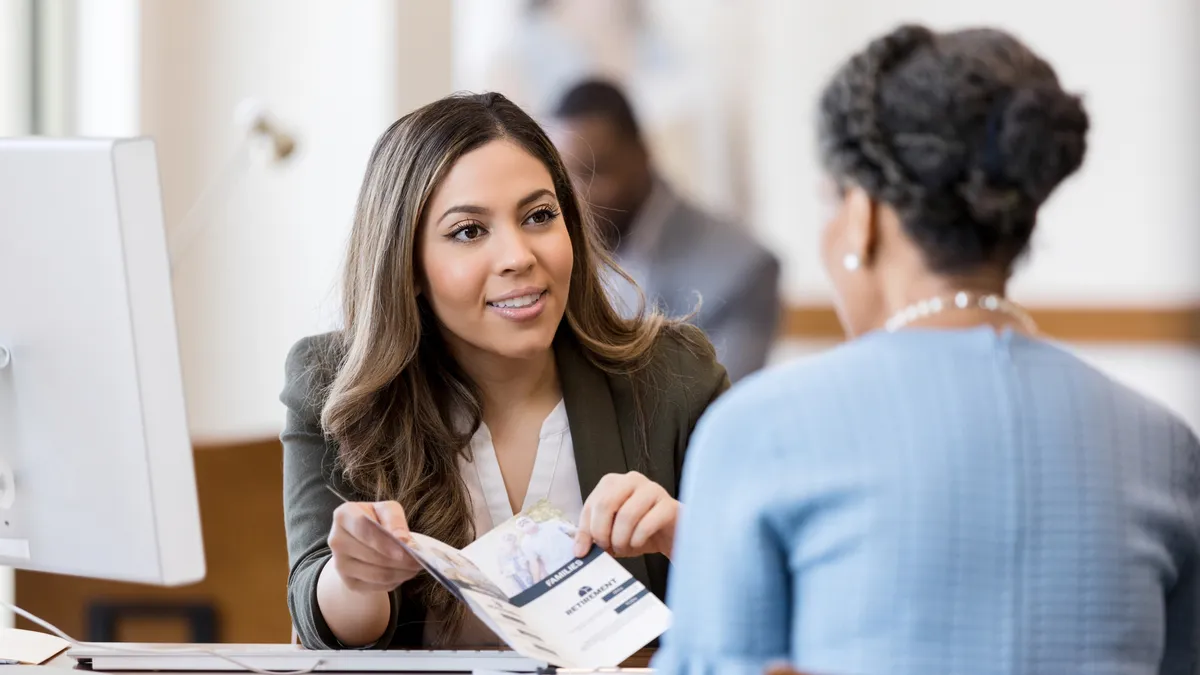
[(309, 466)]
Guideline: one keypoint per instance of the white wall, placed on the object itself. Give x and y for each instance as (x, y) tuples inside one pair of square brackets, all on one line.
[(263, 272), (104, 80), (1125, 231), (336, 73)]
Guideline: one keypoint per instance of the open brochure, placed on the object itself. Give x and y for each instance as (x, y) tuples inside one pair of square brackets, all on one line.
[(524, 582)]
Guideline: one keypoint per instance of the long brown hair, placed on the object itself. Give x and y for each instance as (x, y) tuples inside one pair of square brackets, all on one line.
[(396, 392)]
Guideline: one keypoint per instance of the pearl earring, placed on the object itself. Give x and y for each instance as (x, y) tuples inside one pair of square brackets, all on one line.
[(851, 262)]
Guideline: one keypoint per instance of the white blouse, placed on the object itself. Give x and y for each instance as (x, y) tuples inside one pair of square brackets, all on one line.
[(554, 478)]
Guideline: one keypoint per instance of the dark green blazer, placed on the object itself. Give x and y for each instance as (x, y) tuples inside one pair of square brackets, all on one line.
[(600, 409)]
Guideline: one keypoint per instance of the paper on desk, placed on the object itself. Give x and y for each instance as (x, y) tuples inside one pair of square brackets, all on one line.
[(29, 647)]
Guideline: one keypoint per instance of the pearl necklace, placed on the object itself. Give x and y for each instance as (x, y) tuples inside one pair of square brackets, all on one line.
[(989, 302)]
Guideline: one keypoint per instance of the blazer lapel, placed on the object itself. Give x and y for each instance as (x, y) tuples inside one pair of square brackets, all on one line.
[(595, 428)]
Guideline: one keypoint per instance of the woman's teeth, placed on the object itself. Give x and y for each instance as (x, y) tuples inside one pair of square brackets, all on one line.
[(517, 303)]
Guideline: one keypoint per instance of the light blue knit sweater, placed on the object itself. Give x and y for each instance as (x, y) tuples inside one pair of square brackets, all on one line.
[(938, 502)]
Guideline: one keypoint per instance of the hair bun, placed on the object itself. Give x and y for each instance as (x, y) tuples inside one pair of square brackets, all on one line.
[(854, 94), (1042, 138), (1035, 138), (964, 134), (885, 51)]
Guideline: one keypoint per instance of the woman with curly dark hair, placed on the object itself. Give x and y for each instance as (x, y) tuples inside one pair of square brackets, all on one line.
[(948, 492)]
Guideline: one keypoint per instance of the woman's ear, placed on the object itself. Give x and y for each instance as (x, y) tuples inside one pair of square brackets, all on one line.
[(861, 229)]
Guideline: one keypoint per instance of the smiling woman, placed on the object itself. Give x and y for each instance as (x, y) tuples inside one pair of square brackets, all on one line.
[(498, 261), (481, 369)]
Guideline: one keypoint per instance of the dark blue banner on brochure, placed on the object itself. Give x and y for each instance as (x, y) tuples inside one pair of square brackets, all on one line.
[(560, 575)]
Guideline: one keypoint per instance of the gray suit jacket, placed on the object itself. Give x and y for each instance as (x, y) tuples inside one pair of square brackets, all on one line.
[(682, 256)]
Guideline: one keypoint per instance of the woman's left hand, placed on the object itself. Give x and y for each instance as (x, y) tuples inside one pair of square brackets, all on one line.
[(627, 515)]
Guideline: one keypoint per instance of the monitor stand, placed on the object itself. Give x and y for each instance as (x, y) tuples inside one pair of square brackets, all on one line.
[(17, 646)]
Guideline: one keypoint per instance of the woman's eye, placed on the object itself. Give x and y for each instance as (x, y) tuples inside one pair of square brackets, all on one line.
[(542, 216), (468, 233)]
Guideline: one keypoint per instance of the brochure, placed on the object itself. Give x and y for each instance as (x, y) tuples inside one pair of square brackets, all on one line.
[(524, 582)]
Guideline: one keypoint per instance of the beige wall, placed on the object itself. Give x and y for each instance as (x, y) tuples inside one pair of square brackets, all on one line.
[(1123, 232), (730, 110), (732, 113), (263, 272), (681, 61)]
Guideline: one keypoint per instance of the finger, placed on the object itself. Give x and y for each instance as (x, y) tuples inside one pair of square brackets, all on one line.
[(361, 586), (391, 516), (630, 515), (359, 521), (606, 500), (345, 545), (356, 550), (660, 518), (367, 574), (583, 535)]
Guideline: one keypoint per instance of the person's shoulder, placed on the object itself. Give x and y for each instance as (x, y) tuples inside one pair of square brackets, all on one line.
[(1159, 434), (1127, 403), (683, 351), (312, 350), (739, 249), (310, 367), (679, 378), (1156, 419), (809, 387)]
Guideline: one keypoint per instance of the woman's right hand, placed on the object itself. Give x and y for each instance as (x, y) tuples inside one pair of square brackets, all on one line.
[(366, 555)]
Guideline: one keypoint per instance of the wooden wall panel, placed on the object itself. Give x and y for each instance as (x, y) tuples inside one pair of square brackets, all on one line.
[(1176, 325), (241, 506)]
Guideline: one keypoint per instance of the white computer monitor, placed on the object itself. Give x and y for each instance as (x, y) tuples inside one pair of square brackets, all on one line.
[(96, 470)]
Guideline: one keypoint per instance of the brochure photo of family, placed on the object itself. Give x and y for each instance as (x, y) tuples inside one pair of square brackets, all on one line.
[(525, 550), (453, 566)]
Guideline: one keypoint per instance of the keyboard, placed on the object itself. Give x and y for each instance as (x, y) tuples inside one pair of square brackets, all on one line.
[(293, 657)]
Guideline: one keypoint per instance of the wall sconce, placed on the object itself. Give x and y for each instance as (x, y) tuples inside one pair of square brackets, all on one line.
[(260, 131), (262, 127)]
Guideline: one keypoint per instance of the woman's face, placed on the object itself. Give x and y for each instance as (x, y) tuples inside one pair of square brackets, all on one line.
[(495, 254)]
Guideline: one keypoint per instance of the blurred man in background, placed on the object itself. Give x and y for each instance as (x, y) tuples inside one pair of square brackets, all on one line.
[(677, 253)]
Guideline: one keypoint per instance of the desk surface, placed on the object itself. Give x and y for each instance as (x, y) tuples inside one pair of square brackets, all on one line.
[(62, 662)]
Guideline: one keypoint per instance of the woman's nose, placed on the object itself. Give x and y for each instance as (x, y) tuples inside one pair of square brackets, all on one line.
[(515, 252)]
